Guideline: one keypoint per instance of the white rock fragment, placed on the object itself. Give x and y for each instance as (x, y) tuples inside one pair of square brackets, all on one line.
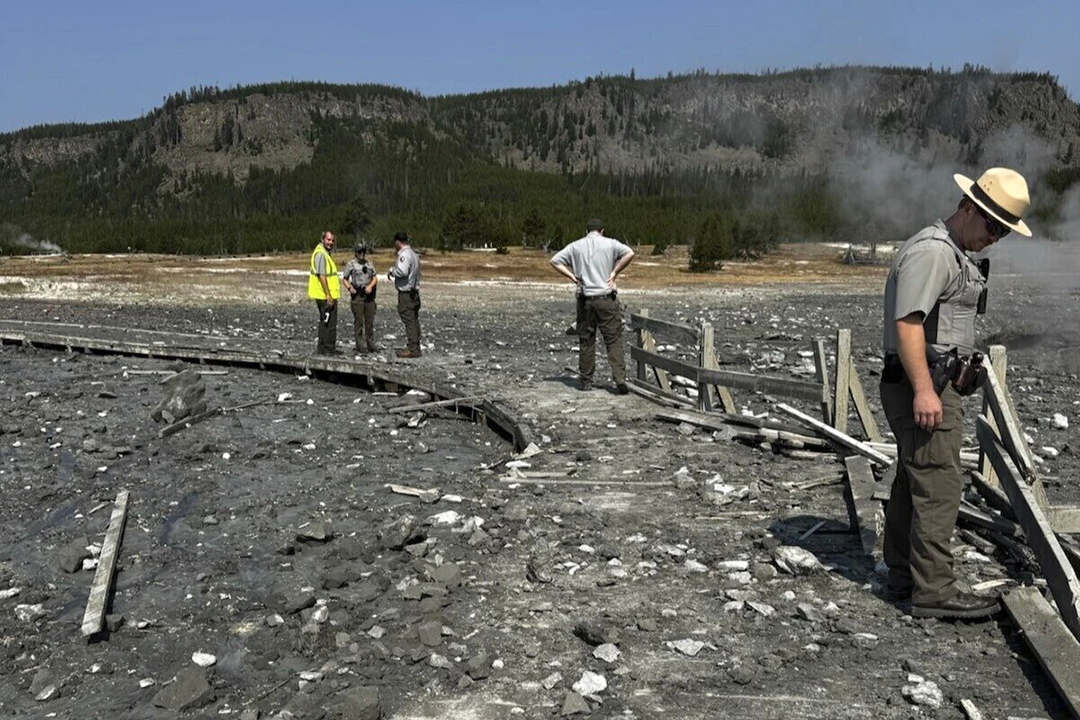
[(203, 659), (924, 693), (29, 613), (733, 565), (551, 680), (9, 593), (796, 560), (762, 608), (590, 684), (694, 566), (1061, 422), (450, 517), (606, 652), (686, 646), (1048, 451), (146, 682)]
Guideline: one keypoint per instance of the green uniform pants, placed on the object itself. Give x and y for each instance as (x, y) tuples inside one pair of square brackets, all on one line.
[(408, 307), (600, 312), (925, 498), (363, 322), (327, 328)]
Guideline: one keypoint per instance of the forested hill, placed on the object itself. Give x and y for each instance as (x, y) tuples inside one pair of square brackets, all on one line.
[(267, 166)]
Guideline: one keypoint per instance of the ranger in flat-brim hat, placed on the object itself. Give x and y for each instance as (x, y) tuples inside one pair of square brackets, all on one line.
[(933, 294)]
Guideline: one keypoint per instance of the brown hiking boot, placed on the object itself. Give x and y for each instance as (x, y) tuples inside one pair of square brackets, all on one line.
[(962, 606), (407, 353)]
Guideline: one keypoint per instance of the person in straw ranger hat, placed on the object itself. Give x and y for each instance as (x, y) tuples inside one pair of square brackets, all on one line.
[(933, 294)]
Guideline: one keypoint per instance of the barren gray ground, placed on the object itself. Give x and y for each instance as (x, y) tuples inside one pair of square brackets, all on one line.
[(211, 553)]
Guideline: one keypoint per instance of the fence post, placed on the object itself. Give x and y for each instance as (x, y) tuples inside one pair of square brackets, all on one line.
[(705, 351), (998, 365), (843, 377), (821, 372)]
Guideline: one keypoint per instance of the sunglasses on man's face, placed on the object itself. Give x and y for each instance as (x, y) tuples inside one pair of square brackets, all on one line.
[(993, 226)]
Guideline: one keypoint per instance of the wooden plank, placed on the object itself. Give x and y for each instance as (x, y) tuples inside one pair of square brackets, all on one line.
[(864, 511), (676, 331), (1007, 427), (843, 379), (187, 422), (999, 366), (667, 364), (821, 372), (98, 602), (648, 344), (744, 381), (970, 514), (862, 409), (651, 392), (1048, 637), (792, 389), (470, 400), (837, 436), (994, 496), (709, 362), (640, 336), (1055, 566), (705, 351), (1065, 518)]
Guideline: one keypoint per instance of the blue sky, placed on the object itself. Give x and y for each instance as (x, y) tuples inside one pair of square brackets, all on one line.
[(83, 61)]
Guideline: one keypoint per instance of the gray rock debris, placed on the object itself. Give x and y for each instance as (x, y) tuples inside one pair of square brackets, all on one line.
[(359, 703), (69, 558), (189, 690), (185, 396)]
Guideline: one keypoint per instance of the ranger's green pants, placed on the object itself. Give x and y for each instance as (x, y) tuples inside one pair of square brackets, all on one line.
[(408, 307), (363, 321), (603, 313), (925, 499)]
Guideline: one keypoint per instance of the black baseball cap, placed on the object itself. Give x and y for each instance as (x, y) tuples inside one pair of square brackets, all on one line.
[(402, 237), (595, 224)]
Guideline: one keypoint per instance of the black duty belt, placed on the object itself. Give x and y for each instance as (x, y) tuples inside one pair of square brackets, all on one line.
[(893, 371)]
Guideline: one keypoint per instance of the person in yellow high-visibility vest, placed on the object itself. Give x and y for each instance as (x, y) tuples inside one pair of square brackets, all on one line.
[(324, 289)]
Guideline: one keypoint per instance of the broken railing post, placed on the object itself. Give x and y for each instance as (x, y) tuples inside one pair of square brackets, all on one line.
[(862, 409), (709, 362), (821, 373), (843, 376), (1008, 429), (1055, 565), (1056, 650), (98, 602), (705, 351), (998, 366), (649, 345), (864, 512), (836, 436)]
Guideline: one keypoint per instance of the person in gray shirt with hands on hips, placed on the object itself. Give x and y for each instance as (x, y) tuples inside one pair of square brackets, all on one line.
[(406, 277), (593, 263)]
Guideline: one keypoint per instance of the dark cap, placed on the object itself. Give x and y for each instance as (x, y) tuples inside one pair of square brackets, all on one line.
[(401, 237), (360, 248), (595, 224)]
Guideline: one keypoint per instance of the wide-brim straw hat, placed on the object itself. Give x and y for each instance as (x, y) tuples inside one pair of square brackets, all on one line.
[(1001, 192)]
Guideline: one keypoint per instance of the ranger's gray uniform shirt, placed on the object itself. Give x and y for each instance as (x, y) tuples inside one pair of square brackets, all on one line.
[(592, 258), (933, 276), (406, 272), (359, 274)]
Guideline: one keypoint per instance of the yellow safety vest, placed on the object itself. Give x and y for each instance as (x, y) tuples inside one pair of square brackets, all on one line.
[(314, 287)]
